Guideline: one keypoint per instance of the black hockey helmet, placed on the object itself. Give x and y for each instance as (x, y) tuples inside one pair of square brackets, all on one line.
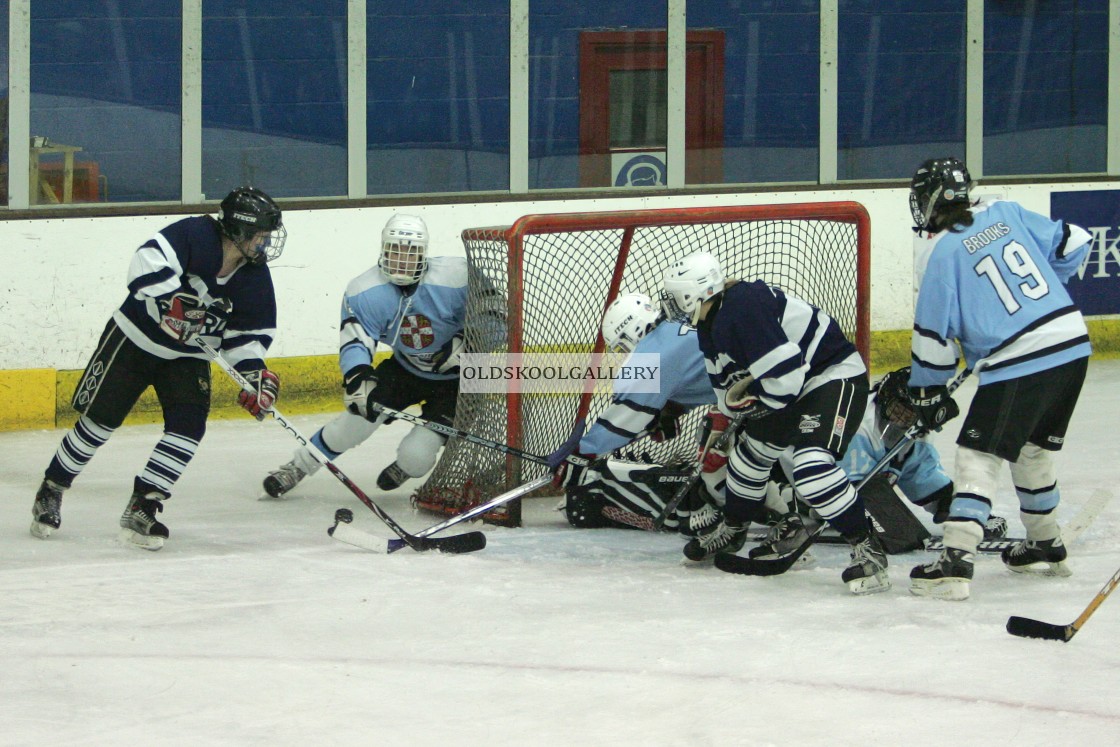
[(892, 399), (244, 215), (938, 182)]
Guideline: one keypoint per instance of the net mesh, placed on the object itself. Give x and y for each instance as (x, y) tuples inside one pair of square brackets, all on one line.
[(542, 285)]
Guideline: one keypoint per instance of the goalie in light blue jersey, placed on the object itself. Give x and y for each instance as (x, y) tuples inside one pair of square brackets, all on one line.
[(991, 277)]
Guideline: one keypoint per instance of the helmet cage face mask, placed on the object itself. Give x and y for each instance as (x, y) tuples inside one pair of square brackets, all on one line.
[(936, 184), (252, 221), (892, 400), (628, 319), (404, 244)]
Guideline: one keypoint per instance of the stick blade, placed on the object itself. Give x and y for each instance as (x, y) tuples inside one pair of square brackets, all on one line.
[(755, 566), (456, 544), (1024, 627)]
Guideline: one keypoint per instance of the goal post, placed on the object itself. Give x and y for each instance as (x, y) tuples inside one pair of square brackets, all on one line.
[(542, 284)]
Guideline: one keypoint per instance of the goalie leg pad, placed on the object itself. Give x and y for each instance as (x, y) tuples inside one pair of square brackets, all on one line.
[(892, 521), (624, 494)]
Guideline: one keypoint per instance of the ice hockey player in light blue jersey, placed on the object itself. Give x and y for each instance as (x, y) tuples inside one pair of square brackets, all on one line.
[(416, 305), (991, 277), (633, 324)]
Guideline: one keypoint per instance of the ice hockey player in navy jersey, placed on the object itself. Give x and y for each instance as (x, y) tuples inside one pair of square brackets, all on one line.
[(416, 305), (991, 277), (633, 324), (200, 276), (786, 367)]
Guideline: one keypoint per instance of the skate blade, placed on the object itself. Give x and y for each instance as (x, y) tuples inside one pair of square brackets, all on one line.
[(1043, 568), (42, 531), (130, 538), (946, 589), (869, 585)]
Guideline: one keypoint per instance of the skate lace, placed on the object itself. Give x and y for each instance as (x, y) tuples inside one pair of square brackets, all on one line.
[(719, 537), (702, 517), (865, 554)]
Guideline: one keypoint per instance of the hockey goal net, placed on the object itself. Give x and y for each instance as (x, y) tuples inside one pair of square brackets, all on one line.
[(547, 279)]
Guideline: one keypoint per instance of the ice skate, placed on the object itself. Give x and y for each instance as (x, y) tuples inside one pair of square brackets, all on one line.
[(727, 537), (702, 521), (867, 573), (947, 578), (392, 477), (283, 479), (46, 512), (139, 526), (1044, 557)]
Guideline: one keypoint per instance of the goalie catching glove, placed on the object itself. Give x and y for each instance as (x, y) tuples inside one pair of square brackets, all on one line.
[(933, 406), (184, 316), (267, 389), (360, 381)]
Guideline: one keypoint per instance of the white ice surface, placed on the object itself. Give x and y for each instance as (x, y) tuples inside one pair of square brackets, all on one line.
[(252, 627)]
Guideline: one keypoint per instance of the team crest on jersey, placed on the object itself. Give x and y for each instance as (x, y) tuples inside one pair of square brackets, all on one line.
[(809, 422), (838, 425), (417, 332)]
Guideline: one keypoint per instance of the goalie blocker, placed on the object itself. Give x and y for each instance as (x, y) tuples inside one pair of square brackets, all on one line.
[(630, 495)]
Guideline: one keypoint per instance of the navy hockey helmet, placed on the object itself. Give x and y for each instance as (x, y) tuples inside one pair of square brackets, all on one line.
[(251, 219), (892, 399), (937, 183)]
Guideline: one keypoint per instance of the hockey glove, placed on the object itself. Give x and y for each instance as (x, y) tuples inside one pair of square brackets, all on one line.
[(259, 402), (933, 406), (558, 460), (360, 381), (712, 427), (182, 316), (753, 409), (667, 425), (447, 359)]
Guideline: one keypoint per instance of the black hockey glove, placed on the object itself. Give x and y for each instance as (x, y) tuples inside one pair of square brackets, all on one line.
[(667, 425), (360, 381), (564, 472), (933, 406)]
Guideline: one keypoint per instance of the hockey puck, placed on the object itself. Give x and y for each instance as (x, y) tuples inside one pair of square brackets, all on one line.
[(343, 516)]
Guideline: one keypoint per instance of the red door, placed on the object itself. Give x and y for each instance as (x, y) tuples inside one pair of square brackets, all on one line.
[(623, 102)]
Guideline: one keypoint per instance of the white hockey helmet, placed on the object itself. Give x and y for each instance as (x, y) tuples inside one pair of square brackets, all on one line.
[(404, 249), (627, 320), (688, 283)]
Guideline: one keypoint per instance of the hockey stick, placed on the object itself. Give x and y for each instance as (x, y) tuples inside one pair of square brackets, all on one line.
[(777, 566), (453, 432), (345, 532), (461, 543), (1025, 627), (697, 472)]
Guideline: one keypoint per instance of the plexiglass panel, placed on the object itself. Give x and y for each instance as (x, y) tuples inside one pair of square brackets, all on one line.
[(769, 114), (1045, 86), (274, 97), (901, 86), (105, 101), (437, 96)]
